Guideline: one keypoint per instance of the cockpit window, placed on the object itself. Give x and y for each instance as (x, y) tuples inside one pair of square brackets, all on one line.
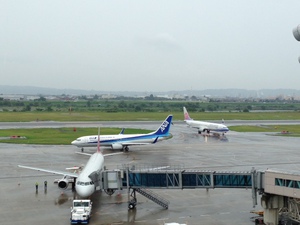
[(78, 139), (84, 183)]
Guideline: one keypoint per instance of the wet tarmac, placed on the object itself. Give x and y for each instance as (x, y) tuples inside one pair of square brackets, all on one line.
[(21, 204)]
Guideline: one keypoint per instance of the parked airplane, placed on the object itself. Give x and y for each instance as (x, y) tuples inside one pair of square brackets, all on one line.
[(204, 126), (87, 180), (122, 141)]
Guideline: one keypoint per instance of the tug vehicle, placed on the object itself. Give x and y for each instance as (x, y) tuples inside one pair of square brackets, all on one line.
[(81, 211)]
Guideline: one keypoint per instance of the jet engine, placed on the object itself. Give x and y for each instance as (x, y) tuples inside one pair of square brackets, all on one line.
[(117, 146), (63, 183)]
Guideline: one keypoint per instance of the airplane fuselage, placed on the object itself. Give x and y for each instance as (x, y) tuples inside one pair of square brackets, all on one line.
[(85, 186), (202, 126), (122, 139)]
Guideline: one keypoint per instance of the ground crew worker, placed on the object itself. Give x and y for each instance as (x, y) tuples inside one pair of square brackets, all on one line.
[(36, 186), (45, 185)]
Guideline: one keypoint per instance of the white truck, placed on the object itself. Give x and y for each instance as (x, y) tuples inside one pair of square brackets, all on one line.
[(81, 211)]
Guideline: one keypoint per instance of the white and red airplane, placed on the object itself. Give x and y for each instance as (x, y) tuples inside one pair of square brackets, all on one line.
[(204, 126), (85, 184)]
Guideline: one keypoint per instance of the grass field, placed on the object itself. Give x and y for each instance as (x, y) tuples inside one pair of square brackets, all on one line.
[(64, 136), (142, 116), (286, 130), (57, 136)]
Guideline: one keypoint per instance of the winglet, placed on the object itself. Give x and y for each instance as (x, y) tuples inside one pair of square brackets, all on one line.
[(122, 131), (186, 114), (165, 126), (155, 140)]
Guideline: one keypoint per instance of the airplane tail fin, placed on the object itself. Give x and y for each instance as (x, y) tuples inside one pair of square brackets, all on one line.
[(98, 144), (186, 114), (165, 126)]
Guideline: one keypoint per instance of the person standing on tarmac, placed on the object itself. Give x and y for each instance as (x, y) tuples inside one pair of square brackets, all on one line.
[(45, 185), (36, 186)]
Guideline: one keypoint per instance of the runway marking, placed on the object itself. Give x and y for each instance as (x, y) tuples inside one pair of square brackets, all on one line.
[(163, 219), (223, 213)]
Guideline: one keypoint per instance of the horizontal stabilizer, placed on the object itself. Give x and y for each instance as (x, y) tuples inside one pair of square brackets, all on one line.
[(74, 168)]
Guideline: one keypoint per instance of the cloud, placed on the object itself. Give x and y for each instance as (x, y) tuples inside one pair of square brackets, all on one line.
[(162, 42)]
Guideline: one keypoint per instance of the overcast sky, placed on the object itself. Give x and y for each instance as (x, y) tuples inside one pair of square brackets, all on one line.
[(150, 45)]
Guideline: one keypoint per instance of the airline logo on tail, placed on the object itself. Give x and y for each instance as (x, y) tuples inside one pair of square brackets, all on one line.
[(186, 114), (164, 126)]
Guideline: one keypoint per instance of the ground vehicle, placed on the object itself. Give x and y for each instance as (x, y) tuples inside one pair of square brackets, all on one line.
[(81, 211)]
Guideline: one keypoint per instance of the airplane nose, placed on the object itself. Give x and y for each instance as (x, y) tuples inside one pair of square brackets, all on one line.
[(85, 191)]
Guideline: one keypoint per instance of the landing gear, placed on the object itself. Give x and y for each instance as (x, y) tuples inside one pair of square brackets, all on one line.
[(126, 148), (82, 149), (207, 131), (132, 202), (109, 191), (199, 132), (73, 185)]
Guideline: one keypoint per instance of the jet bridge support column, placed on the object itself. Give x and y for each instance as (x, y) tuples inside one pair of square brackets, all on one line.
[(271, 205)]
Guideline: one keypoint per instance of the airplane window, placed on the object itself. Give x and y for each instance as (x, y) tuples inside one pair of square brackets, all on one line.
[(80, 183)]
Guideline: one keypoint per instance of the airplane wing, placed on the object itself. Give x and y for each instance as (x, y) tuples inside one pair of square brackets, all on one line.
[(64, 173), (135, 143), (202, 128)]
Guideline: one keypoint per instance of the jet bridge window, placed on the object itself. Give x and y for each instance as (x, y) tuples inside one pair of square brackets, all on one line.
[(287, 183), (279, 182)]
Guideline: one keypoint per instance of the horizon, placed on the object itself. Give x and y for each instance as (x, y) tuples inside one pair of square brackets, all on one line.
[(33, 90)]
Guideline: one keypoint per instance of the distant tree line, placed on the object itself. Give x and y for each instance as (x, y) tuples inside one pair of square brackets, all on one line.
[(149, 104)]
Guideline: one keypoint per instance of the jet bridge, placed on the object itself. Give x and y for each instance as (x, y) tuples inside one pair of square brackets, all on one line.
[(187, 179), (140, 179), (280, 189)]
